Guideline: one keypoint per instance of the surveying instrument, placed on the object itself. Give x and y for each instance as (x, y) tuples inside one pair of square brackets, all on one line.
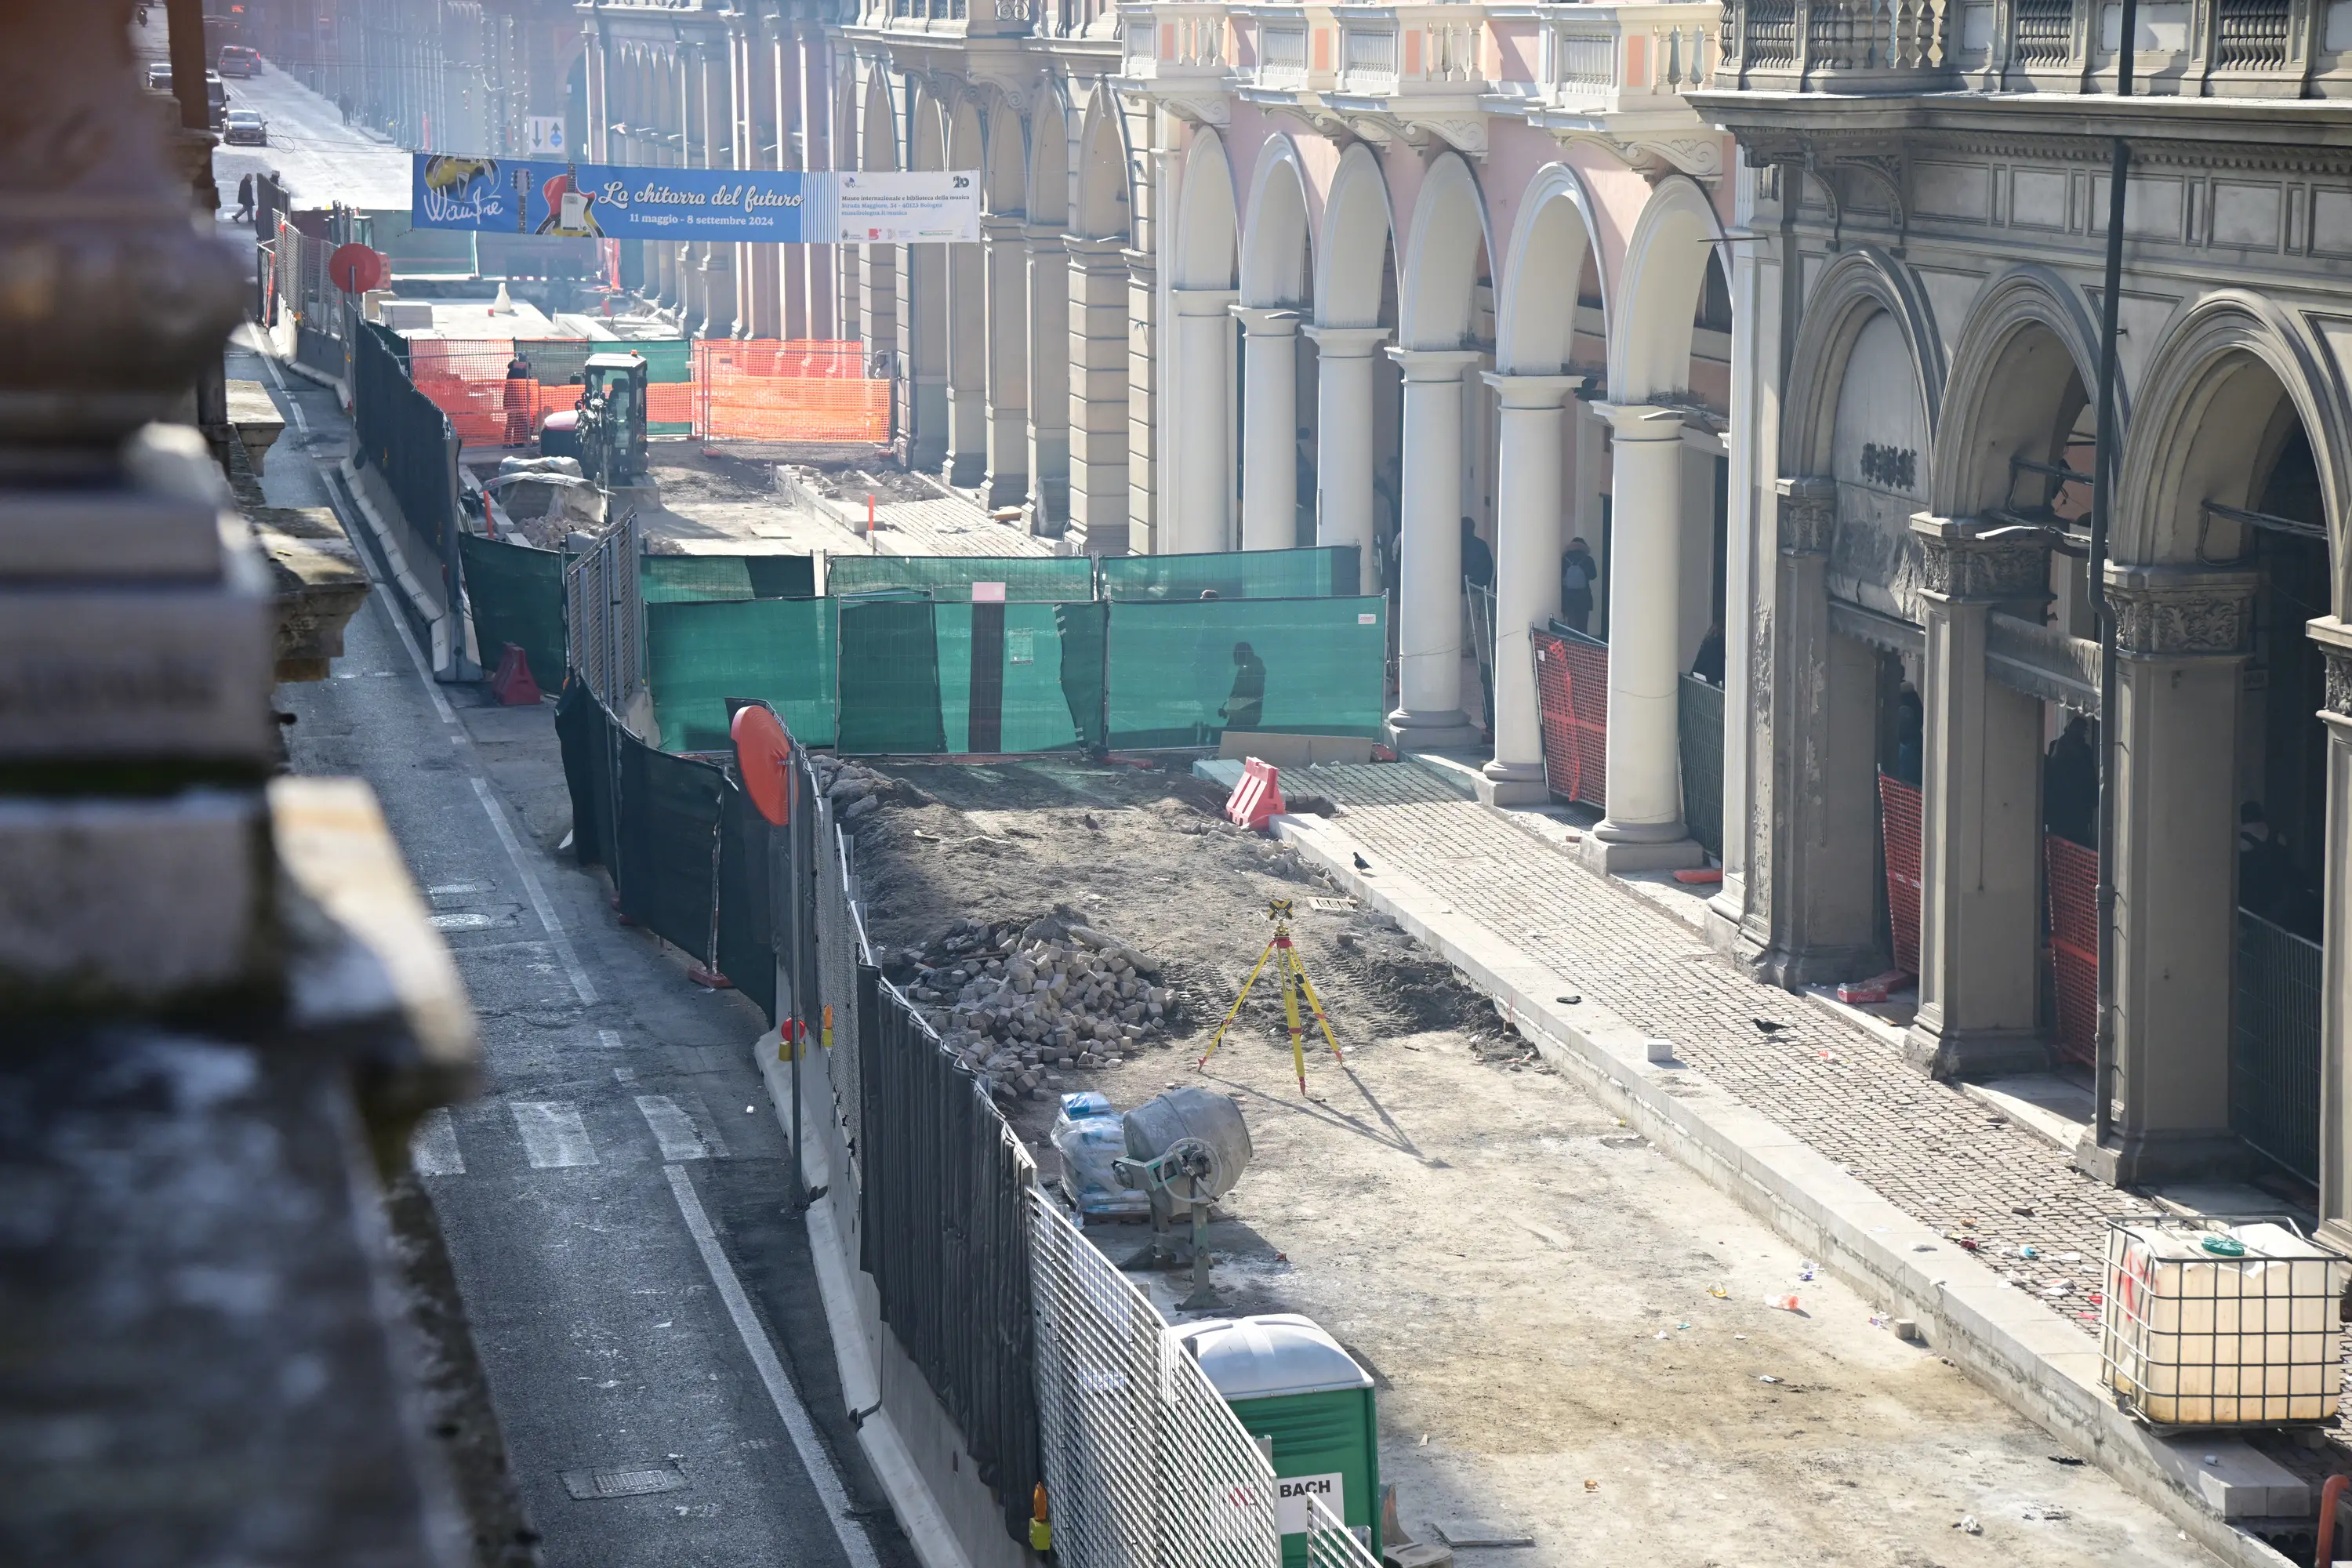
[(1293, 974)]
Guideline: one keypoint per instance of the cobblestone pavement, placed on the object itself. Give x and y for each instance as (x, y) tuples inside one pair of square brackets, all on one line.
[(1924, 1146), (951, 526)]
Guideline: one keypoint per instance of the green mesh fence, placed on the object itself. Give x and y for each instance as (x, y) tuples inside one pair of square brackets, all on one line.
[(889, 677), (779, 651), (949, 578), (1182, 673), (516, 594), (692, 579), (1326, 571)]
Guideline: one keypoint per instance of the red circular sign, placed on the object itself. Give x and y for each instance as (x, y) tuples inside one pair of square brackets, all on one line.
[(355, 269), (763, 754)]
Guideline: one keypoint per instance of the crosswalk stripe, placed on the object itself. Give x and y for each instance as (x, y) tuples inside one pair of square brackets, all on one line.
[(552, 1133), (673, 1129), (433, 1147)]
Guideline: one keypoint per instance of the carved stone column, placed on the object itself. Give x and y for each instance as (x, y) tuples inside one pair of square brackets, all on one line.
[(2335, 639), (1981, 824), (1813, 892), (2181, 641)]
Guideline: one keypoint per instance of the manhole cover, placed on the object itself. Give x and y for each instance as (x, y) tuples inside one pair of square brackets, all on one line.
[(623, 1480)]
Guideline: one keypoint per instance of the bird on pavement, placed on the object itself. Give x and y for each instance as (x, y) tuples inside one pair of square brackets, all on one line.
[(1361, 863), (1768, 1025)]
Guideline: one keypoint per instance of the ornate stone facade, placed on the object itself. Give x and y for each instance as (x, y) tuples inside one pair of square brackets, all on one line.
[(2178, 612)]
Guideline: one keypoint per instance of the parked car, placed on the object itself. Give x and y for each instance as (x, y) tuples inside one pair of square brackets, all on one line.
[(236, 60), (159, 79), (246, 126)]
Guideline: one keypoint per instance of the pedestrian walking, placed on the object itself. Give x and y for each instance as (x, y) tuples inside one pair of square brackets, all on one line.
[(521, 400), (1576, 576), (244, 199)]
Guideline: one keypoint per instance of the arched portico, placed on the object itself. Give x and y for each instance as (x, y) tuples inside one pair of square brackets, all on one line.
[(1663, 279), (1276, 264), (878, 150), (1443, 257), (1199, 478), (1355, 314), (964, 328), (923, 305), (1047, 507), (2231, 805), (1866, 372), (1535, 344)]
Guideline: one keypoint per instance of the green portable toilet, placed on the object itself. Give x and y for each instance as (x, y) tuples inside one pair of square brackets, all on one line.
[(1296, 1390)]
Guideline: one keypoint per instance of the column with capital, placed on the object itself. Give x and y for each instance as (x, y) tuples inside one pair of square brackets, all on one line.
[(1343, 439), (1004, 261), (2335, 639), (1269, 423), (964, 268), (1201, 466), (2182, 638), (1528, 543), (1429, 613), (1980, 818), (1643, 830)]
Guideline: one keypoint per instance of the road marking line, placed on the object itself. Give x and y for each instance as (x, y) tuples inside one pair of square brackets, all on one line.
[(797, 1424), (553, 1136), (545, 911), (270, 363), (399, 626), (433, 1147), (673, 1129)]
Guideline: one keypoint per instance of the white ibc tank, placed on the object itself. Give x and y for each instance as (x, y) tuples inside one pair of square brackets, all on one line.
[(2199, 1333)]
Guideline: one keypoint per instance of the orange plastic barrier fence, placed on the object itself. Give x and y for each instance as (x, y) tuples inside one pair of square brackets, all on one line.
[(2074, 873), (1572, 706), (755, 390), (1899, 811)]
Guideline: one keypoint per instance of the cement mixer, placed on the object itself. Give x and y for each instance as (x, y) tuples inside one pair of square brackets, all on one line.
[(1190, 1146)]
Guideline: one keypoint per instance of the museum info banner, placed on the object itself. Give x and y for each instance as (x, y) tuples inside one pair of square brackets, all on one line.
[(606, 201)]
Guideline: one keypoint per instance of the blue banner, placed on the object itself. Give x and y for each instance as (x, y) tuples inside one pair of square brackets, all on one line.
[(606, 201)]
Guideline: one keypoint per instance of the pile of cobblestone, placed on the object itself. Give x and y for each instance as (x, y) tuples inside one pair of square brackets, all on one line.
[(857, 792), (1021, 1005)]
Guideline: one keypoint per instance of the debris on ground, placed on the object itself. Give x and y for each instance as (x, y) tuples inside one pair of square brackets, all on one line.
[(1020, 1003), (857, 792)]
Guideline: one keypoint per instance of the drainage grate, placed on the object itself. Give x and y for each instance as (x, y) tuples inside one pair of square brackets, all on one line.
[(1333, 906), (623, 1480)]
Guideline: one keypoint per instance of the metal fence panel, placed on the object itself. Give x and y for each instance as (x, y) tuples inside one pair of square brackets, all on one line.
[(1146, 1464), (1899, 809), (2274, 1044), (1330, 1543), (1700, 716)]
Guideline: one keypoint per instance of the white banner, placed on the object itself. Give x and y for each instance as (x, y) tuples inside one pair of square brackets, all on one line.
[(893, 208)]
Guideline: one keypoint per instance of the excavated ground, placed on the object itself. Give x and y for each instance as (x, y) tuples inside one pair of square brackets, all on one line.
[(1568, 1331)]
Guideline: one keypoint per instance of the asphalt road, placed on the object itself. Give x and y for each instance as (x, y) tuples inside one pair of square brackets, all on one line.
[(616, 1203), (322, 158)]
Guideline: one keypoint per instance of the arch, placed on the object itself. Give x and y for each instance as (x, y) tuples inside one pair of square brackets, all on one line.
[(1859, 284), (964, 146), (1277, 259), (1535, 328), (1005, 168), (1049, 156), (2002, 391), (2199, 435), (1106, 203), (1440, 258), (1358, 233), (928, 135), (878, 145), (1206, 232), (1663, 274)]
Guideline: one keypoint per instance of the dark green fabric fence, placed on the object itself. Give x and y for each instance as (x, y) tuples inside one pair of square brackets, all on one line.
[(402, 436), (516, 594), (1182, 672), (690, 579), (777, 651)]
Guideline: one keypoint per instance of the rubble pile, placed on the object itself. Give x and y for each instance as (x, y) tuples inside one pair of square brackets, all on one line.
[(1019, 1005), (857, 793)]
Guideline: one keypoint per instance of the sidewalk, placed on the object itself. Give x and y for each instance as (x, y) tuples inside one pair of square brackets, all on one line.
[(1813, 1122)]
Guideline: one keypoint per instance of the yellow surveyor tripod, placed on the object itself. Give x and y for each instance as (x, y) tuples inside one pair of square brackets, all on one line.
[(1294, 982)]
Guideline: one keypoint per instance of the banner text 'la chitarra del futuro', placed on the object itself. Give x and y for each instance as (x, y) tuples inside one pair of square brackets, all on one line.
[(610, 201)]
